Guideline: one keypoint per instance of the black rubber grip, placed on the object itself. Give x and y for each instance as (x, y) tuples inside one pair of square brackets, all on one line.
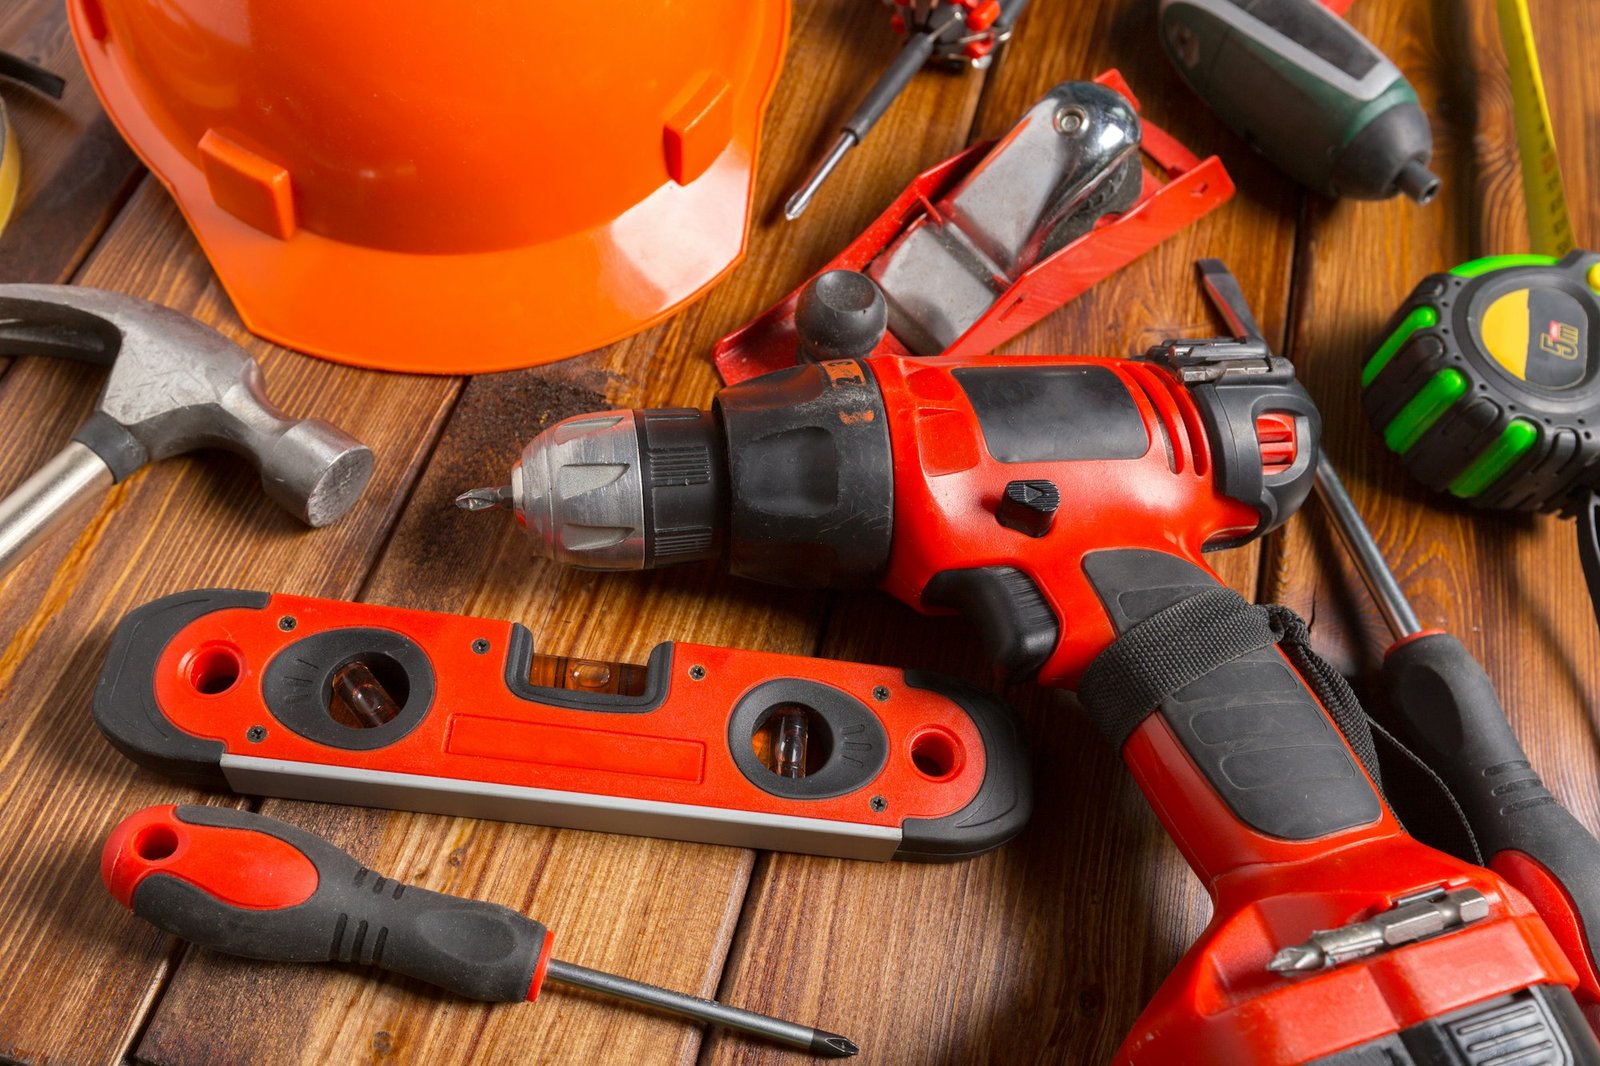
[(1013, 620), (475, 949), (1005, 799), (125, 705), (1447, 710), (1251, 725), (913, 55)]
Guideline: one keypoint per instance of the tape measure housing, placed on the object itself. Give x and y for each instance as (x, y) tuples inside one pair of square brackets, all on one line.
[(1487, 381)]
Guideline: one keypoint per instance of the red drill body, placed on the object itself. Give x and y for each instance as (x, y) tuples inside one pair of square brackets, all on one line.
[(1063, 504), (949, 486)]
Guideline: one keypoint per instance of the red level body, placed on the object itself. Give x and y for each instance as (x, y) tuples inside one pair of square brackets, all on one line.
[(237, 689)]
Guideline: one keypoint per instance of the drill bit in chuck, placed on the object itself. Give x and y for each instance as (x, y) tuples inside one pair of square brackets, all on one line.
[(484, 499)]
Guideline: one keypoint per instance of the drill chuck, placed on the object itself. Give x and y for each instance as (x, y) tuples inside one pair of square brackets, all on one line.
[(792, 472), (624, 490)]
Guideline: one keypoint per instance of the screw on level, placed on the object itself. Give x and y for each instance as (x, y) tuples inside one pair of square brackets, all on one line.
[(878, 803), (697, 672), (256, 734), (481, 645), (880, 693), (287, 623)]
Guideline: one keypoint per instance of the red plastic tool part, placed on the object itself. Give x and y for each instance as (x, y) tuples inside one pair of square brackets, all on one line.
[(241, 689), (1557, 909), (949, 482), (1222, 1004), (242, 868), (1192, 188)]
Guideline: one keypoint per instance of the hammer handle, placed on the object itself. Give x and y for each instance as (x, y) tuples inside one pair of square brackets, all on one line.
[(44, 501)]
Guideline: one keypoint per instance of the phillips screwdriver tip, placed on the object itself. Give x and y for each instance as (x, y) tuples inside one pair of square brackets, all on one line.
[(797, 204), (833, 1046), (1295, 959), (483, 499)]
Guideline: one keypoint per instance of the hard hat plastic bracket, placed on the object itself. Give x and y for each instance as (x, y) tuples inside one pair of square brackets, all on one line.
[(251, 188)]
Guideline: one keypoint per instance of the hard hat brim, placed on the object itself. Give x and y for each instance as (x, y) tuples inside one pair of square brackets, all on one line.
[(463, 313)]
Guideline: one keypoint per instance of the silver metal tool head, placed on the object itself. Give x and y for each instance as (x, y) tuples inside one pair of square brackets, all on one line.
[(579, 491), (1071, 160), (177, 385)]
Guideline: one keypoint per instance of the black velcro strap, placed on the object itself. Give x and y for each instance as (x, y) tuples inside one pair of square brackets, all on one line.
[(1169, 650), (1338, 699)]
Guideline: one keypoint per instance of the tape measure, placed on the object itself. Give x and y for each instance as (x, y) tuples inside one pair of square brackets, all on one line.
[(1486, 383), (10, 168), (1549, 227), (24, 72)]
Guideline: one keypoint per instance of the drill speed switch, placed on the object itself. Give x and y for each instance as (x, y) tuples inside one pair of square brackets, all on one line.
[(1307, 91), (1029, 507), (914, 476)]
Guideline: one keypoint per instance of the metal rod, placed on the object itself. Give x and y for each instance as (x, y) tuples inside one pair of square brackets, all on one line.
[(802, 196), (1357, 538), (47, 499), (804, 1037)]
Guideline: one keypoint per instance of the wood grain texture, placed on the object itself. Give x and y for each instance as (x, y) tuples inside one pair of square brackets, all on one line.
[(1509, 585), (1044, 951), (655, 910), (188, 522)]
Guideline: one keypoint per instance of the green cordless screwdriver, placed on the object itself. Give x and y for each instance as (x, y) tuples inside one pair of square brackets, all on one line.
[(1307, 91), (1487, 386)]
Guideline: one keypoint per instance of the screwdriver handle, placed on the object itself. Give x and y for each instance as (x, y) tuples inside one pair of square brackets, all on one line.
[(1449, 712), (250, 885)]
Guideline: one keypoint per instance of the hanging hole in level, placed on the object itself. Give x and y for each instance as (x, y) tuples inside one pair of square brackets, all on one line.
[(213, 669), (936, 753)]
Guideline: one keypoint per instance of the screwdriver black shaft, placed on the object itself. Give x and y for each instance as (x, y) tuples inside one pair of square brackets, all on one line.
[(1446, 709), (916, 52)]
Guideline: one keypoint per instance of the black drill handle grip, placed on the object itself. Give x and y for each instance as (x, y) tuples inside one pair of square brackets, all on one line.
[(250, 885), (1195, 654), (1448, 711)]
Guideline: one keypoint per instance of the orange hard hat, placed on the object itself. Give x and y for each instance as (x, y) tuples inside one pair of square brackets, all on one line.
[(447, 188)]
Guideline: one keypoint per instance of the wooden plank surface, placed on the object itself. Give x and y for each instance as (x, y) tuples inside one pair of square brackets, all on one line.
[(655, 910), (1043, 951)]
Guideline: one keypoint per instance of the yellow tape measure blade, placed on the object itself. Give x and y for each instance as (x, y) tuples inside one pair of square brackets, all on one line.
[(10, 167), (1549, 226)]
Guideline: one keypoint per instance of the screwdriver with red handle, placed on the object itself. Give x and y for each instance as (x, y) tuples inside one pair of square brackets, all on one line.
[(250, 885), (1447, 710)]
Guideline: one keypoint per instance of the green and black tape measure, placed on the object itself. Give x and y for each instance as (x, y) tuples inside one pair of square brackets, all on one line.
[(1487, 384)]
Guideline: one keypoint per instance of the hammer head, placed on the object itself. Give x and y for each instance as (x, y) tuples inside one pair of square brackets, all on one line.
[(177, 385)]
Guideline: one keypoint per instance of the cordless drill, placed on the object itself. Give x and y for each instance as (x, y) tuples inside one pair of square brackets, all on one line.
[(1063, 504)]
